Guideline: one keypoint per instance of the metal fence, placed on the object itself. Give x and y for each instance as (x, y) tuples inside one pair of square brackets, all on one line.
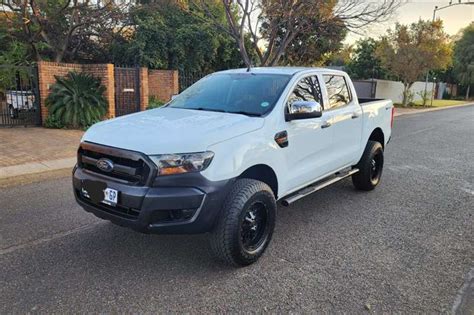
[(186, 79), (19, 96)]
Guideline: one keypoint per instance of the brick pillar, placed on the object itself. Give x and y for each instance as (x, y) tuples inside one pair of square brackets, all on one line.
[(109, 83), (43, 90), (144, 89), (175, 87)]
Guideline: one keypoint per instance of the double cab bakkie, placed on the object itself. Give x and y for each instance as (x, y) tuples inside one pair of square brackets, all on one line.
[(218, 157)]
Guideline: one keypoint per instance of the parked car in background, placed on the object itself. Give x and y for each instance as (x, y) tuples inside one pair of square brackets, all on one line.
[(219, 156), (19, 101)]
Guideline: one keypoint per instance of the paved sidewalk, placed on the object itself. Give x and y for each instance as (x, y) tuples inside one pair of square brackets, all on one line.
[(399, 111), (34, 150)]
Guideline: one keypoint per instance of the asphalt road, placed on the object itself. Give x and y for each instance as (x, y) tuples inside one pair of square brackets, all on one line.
[(405, 247)]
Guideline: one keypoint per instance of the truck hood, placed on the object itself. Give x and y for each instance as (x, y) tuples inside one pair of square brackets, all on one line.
[(171, 130)]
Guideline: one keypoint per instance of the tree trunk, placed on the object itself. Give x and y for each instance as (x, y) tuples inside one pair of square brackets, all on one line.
[(406, 89), (243, 53), (58, 57), (468, 92)]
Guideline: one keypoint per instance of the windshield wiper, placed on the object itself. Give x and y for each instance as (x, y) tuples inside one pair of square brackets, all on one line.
[(210, 109), (225, 111), (246, 113)]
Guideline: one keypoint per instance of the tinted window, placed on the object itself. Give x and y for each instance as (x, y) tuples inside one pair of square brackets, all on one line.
[(338, 92), (307, 89), (249, 93)]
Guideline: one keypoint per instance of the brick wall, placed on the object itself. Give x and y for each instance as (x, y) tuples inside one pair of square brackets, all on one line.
[(46, 73), (162, 84), (105, 72), (48, 70)]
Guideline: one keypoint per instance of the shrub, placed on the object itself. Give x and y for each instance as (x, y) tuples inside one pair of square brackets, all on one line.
[(53, 122), (153, 102), (77, 100), (425, 96)]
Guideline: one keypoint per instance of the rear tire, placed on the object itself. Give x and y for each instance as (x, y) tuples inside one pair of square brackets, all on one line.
[(245, 225), (370, 167)]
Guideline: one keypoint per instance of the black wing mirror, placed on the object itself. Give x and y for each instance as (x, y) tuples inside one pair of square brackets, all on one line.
[(304, 110)]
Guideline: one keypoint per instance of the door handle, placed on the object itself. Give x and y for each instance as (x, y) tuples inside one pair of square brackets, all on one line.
[(326, 124), (355, 115)]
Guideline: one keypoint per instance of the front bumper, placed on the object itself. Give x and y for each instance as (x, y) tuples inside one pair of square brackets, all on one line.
[(176, 204)]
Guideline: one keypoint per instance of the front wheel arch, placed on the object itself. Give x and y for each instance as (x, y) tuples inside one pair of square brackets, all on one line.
[(263, 173)]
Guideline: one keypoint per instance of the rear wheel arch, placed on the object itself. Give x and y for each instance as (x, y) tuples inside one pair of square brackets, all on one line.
[(377, 135), (263, 173)]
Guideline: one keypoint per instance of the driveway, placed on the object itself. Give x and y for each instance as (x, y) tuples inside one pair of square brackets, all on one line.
[(405, 247), (21, 145)]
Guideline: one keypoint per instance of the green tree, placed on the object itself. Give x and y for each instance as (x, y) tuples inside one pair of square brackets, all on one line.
[(315, 47), (410, 51), (164, 34), (364, 63), (276, 27), (464, 58), (65, 30)]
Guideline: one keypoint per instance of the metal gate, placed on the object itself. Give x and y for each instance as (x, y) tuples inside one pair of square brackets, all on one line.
[(19, 96), (127, 90)]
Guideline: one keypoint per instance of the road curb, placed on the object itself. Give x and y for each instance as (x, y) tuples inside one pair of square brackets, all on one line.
[(418, 111), (36, 167)]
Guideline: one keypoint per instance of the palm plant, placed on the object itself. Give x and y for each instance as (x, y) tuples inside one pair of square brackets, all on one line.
[(77, 100)]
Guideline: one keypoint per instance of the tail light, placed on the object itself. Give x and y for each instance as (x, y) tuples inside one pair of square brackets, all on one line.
[(391, 118)]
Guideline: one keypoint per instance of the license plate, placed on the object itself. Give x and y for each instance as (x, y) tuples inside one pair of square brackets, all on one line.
[(110, 196)]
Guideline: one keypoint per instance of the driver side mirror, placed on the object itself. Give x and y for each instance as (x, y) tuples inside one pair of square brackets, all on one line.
[(304, 110)]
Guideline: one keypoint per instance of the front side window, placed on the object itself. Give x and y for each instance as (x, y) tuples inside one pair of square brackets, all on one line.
[(307, 89), (338, 92), (251, 94)]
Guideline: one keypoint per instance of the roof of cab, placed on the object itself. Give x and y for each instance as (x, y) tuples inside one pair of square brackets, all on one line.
[(280, 70)]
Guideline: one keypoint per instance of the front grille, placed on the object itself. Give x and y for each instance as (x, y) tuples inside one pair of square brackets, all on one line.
[(129, 167), (124, 212)]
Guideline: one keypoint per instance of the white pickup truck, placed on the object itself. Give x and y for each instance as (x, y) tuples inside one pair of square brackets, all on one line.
[(219, 156)]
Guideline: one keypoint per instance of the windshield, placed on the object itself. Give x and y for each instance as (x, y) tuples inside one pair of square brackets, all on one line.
[(243, 93)]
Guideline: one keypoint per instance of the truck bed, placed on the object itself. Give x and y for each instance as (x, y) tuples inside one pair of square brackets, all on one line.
[(364, 101)]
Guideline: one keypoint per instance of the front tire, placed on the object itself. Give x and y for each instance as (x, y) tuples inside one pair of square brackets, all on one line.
[(370, 167), (245, 225)]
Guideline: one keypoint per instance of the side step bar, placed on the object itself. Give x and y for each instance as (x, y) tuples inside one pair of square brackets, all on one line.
[(317, 186)]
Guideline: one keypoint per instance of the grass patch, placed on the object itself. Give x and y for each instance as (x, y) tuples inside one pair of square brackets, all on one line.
[(436, 103)]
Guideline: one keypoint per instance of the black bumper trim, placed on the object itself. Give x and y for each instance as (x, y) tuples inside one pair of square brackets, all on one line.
[(177, 192)]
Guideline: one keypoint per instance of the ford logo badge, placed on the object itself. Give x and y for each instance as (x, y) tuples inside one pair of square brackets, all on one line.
[(105, 165)]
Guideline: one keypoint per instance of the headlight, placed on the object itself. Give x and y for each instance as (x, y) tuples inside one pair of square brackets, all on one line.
[(169, 164)]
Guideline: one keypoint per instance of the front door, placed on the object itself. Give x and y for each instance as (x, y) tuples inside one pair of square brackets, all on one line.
[(309, 139)]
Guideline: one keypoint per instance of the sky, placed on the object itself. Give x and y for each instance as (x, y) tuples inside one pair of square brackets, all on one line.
[(454, 18)]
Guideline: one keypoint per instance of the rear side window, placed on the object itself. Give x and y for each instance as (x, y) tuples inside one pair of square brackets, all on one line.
[(338, 91), (307, 89)]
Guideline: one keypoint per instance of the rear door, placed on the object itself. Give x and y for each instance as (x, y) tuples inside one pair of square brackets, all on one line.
[(309, 141), (346, 122)]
